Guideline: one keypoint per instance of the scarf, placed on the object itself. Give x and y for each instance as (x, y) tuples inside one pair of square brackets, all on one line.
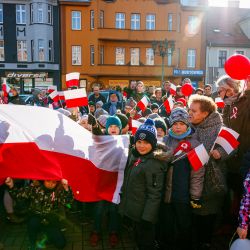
[(179, 137)]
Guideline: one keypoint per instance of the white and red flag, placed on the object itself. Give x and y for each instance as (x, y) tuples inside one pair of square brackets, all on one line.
[(61, 95), (172, 89), (5, 88), (54, 96), (72, 79), (219, 102), (52, 88), (169, 104), (135, 125), (198, 157), (227, 138), (76, 98), (43, 144), (143, 103)]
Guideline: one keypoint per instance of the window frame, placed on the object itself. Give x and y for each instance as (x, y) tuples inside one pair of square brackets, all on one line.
[(76, 19), (222, 58), (190, 63), (148, 55), (50, 14), (2, 49), (22, 14), (192, 24), (134, 60), (50, 51), (22, 50), (101, 54), (150, 21), (135, 21), (1, 13), (92, 19), (40, 13), (41, 50), (170, 21), (122, 55), (120, 23), (92, 55), (101, 19), (79, 55)]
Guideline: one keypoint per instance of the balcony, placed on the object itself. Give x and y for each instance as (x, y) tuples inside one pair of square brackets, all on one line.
[(135, 35), (130, 71), (75, 2)]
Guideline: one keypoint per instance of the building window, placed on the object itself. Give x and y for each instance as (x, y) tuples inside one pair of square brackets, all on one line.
[(191, 58), (1, 13), (51, 51), (76, 55), (135, 22), (101, 19), (134, 56), (101, 54), (120, 21), (22, 51), (1, 50), (92, 19), (76, 20), (32, 13), (149, 56), (20, 14), (41, 52), (170, 22), (169, 57), (193, 25), (50, 8), (150, 22), (39, 13), (222, 58), (239, 52), (119, 56), (92, 55), (32, 50)]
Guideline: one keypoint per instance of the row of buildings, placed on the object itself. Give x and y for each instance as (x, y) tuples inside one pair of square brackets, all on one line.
[(114, 42)]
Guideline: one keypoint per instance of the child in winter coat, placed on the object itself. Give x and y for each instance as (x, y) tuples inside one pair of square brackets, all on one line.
[(183, 185), (45, 202), (113, 127), (142, 187)]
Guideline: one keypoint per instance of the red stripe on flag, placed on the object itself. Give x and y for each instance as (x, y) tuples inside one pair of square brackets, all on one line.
[(72, 83), (229, 138), (141, 106), (77, 102), (194, 160), (88, 182)]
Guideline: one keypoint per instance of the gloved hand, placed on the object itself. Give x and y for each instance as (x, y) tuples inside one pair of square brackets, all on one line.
[(91, 120), (195, 203)]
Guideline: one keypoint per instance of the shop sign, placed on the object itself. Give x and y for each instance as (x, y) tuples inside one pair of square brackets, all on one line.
[(151, 83), (26, 75), (121, 83), (187, 72)]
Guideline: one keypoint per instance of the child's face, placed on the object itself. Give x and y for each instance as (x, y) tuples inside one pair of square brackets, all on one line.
[(50, 184), (113, 130), (155, 110), (143, 147), (179, 128), (160, 132), (84, 123)]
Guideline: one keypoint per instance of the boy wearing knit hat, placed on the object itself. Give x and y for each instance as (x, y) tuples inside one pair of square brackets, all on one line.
[(113, 125), (161, 128), (142, 186), (183, 184)]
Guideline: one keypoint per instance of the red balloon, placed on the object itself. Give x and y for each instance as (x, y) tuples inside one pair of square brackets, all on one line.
[(187, 89), (237, 67)]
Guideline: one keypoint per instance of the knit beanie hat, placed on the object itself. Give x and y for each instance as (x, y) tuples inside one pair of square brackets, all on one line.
[(154, 106), (100, 111), (100, 103), (124, 120), (102, 119), (179, 115), (160, 123), (113, 120), (147, 132)]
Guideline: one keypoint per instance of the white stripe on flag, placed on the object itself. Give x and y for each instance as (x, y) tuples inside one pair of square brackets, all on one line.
[(75, 93), (225, 144), (72, 76), (202, 154)]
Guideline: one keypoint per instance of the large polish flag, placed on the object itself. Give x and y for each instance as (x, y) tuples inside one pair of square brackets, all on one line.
[(198, 157), (76, 98), (143, 103), (54, 96), (52, 88), (172, 89), (169, 104), (43, 144), (227, 138), (72, 79), (5, 88)]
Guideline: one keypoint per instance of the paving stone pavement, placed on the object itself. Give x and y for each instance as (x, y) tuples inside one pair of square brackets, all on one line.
[(14, 237)]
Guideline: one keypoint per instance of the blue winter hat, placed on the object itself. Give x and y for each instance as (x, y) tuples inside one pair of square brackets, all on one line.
[(147, 132), (113, 120)]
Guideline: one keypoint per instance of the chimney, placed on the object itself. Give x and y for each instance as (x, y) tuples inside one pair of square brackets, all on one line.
[(234, 3)]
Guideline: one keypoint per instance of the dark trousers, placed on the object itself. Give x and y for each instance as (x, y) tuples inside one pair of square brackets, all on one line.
[(113, 216), (37, 225), (203, 228), (145, 236), (175, 226)]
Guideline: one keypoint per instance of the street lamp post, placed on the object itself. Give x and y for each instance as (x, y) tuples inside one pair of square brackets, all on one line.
[(164, 49)]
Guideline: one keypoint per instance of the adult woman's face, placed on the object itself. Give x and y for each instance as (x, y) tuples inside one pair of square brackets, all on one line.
[(196, 116), (225, 92), (140, 88)]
